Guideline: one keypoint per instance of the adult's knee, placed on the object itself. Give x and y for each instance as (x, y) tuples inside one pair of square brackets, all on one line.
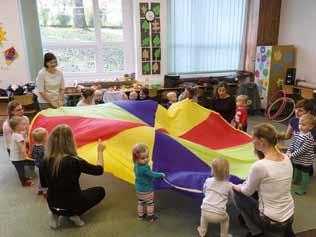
[(242, 201), (100, 192)]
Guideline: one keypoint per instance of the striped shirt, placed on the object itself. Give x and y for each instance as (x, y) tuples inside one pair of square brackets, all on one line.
[(302, 149)]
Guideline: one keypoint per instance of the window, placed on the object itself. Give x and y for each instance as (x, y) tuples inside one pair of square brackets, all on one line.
[(87, 37), (206, 35)]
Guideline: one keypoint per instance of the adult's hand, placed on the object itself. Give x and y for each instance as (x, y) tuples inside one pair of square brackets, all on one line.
[(237, 188), (59, 103), (54, 104)]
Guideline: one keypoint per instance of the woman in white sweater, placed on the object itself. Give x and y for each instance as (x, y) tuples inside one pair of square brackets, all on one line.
[(272, 214), (50, 84)]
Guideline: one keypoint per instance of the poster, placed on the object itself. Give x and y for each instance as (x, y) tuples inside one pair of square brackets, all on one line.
[(150, 38)]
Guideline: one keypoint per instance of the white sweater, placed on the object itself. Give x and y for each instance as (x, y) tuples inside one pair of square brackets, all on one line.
[(272, 180), (216, 194)]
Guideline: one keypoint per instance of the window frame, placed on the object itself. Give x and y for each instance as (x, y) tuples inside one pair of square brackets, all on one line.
[(127, 44)]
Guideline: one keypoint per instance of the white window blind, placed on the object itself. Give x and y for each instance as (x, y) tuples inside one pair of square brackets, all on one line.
[(206, 35)]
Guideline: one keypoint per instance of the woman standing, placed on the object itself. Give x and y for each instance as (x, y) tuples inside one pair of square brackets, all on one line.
[(60, 172), (223, 102), (50, 84), (272, 214), (14, 109)]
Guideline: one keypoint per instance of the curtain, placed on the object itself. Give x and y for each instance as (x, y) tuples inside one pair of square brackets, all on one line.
[(206, 35)]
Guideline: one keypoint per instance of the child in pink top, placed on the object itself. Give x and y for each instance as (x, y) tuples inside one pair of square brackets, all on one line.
[(14, 109)]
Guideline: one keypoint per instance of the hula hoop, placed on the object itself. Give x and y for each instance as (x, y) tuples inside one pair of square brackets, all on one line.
[(284, 100), (281, 108)]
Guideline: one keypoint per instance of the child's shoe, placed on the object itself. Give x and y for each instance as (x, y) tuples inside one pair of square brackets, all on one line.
[(28, 183), (76, 220), (40, 192), (141, 218), (152, 218), (53, 220)]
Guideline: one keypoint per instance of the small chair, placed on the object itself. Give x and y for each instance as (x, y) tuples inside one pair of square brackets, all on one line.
[(30, 108)]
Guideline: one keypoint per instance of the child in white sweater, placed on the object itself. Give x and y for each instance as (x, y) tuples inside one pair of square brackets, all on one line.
[(217, 191)]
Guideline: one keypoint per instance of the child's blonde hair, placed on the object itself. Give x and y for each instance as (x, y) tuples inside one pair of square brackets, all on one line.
[(220, 169), (14, 121), (133, 95), (61, 143), (137, 150), (309, 118), (244, 98), (98, 92), (171, 95), (38, 134)]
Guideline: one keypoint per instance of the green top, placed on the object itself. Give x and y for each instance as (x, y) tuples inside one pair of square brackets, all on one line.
[(145, 178)]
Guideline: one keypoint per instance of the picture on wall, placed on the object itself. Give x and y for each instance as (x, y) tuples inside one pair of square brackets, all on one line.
[(150, 38)]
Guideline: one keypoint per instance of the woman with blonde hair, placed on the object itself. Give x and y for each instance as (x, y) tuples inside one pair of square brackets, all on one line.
[(60, 173), (271, 176)]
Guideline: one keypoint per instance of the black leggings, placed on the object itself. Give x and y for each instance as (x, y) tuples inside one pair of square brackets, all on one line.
[(19, 166), (89, 198)]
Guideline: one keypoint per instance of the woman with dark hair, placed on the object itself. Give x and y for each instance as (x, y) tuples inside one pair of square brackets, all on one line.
[(271, 177), (50, 84), (223, 103)]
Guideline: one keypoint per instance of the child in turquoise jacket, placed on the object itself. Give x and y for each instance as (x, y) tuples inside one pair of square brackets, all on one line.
[(144, 183)]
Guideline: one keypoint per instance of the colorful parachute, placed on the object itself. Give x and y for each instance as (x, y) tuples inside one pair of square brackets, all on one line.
[(182, 140)]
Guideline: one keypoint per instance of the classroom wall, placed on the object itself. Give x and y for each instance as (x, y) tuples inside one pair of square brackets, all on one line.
[(297, 27), (10, 22)]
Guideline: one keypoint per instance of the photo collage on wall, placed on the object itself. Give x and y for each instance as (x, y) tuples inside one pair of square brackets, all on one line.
[(150, 38)]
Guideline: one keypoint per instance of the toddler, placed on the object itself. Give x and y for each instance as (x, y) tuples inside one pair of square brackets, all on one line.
[(217, 190), (172, 97), (39, 136), (301, 151), (144, 183), (14, 109), (98, 97), (18, 154), (133, 95), (241, 115)]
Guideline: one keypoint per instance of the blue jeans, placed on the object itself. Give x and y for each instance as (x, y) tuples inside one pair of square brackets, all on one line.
[(256, 222)]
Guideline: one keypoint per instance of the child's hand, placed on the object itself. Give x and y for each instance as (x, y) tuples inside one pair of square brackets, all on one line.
[(101, 146), (163, 175)]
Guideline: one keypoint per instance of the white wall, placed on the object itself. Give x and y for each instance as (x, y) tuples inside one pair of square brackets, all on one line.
[(297, 27), (17, 72)]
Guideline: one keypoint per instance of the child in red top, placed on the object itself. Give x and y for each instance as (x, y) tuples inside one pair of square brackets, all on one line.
[(241, 116)]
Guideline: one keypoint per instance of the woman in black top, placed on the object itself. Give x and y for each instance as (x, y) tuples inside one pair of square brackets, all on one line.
[(60, 172), (223, 102)]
